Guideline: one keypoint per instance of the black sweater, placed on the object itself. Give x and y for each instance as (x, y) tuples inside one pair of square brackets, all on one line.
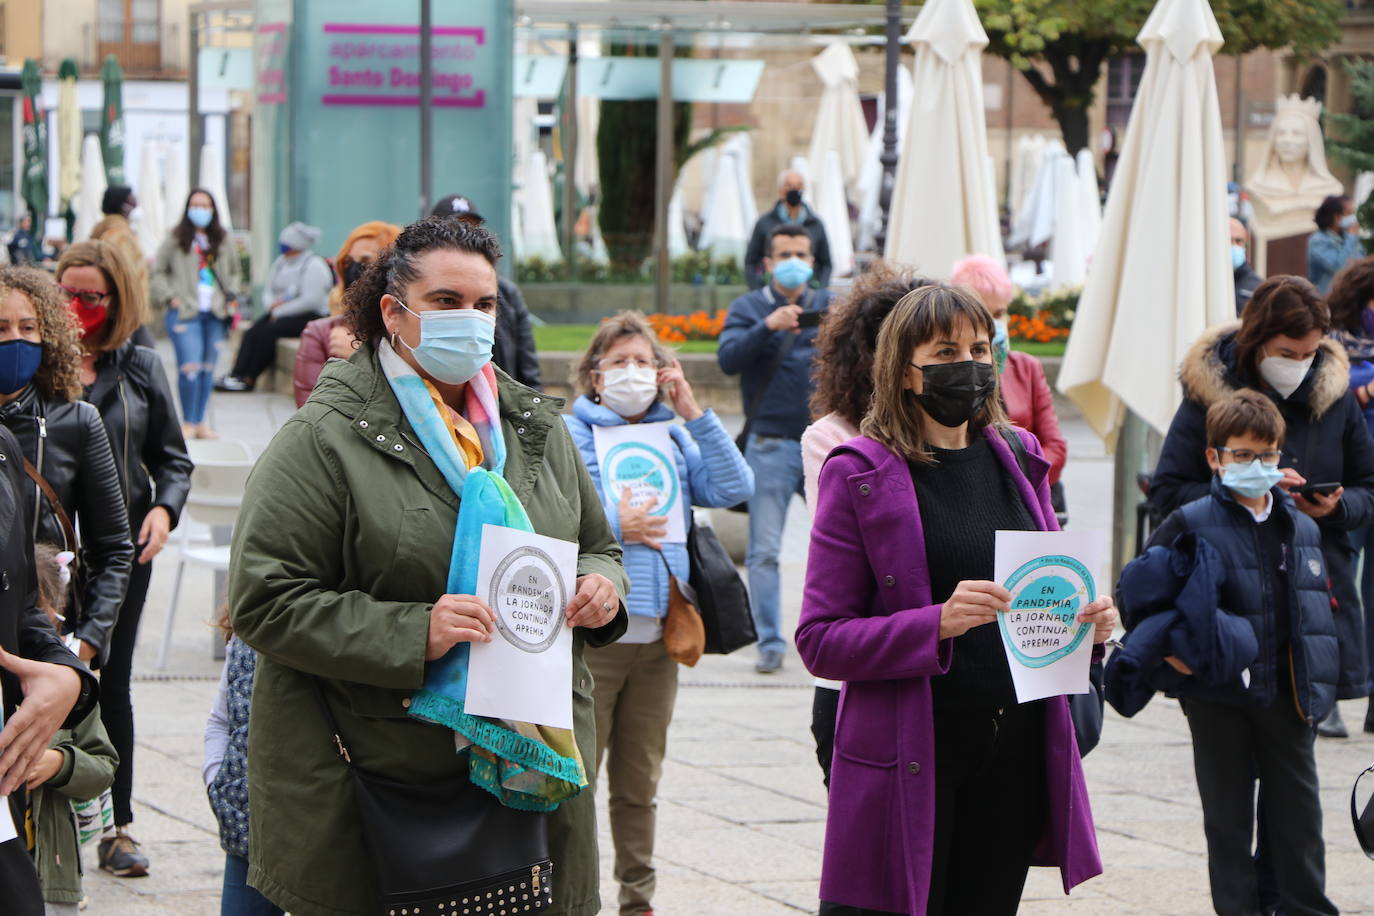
[(965, 498)]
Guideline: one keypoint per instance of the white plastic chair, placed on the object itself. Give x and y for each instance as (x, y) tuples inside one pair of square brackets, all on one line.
[(216, 493)]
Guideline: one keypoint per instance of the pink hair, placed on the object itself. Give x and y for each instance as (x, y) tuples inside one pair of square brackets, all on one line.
[(985, 277)]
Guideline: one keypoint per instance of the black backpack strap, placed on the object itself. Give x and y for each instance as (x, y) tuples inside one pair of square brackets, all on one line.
[(1018, 448)]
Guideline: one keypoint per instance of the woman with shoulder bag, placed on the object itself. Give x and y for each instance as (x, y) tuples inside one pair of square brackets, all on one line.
[(354, 575), (944, 790), (69, 463), (195, 282), (127, 384), (625, 377)]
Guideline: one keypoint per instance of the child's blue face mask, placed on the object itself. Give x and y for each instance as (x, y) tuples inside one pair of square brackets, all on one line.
[(1251, 480)]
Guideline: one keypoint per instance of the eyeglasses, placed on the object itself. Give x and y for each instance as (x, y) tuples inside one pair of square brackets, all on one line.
[(1245, 456), (87, 296), (625, 362)]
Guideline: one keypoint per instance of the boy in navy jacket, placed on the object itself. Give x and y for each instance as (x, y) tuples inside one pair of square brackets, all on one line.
[(1261, 724)]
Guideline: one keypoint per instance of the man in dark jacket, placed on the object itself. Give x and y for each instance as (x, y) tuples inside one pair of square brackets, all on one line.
[(1247, 281), (768, 340), (35, 667), (789, 211), (1261, 723), (513, 351)]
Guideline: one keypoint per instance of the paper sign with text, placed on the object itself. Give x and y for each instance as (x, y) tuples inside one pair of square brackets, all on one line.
[(1052, 576), (525, 672), (640, 457)]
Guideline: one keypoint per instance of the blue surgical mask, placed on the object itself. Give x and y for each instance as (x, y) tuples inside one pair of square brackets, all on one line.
[(1237, 256), (792, 273), (19, 361), (1001, 344), (454, 343), (1251, 480), (200, 217), (285, 249)]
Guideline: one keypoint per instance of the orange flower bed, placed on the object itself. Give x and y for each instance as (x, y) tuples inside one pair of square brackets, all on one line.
[(1035, 328), (698, 325)]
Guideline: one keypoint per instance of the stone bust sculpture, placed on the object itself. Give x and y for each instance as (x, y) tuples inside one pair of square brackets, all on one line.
[(1293, 177)]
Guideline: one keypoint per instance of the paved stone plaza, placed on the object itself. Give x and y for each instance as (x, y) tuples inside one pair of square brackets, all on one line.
[(742, 806)]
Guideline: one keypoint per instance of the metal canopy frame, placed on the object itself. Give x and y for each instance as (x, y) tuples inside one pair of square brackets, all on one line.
[(678, 22)]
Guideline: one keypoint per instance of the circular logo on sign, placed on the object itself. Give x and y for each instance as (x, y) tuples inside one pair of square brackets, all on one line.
[(1046, 595), (647, 472), (528, 597)]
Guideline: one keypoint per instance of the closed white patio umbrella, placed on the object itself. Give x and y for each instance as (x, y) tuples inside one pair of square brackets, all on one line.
[(725, 223), (940, 206), (870, 185), (1161, 273), (176, 184), (1070, 248), (88, 198), (1091, 197), (830, 205), (212, 179), (840, 124), (151, 228), (534, 197)]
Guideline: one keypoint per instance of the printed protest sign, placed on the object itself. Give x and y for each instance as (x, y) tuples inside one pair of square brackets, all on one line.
[(1052, 576), (639, 457), (524, 673)]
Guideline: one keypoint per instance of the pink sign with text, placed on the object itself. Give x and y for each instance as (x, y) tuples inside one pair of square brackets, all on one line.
[(380, 65)]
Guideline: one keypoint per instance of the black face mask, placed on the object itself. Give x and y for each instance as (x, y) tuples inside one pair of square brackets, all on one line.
[(352, 272), (955, 392), (793, 198)]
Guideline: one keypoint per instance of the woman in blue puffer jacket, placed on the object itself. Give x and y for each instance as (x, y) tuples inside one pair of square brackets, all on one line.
[(625, 377)]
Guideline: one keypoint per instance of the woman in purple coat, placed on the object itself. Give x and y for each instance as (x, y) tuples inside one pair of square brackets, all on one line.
[(944, 790)]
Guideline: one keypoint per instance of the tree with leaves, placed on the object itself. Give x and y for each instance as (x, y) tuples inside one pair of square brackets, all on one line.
[(1352, 142), (627, 150), (1059, 46)]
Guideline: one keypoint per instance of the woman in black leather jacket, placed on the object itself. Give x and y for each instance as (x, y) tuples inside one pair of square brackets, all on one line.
[(64, 440), (127, 383)]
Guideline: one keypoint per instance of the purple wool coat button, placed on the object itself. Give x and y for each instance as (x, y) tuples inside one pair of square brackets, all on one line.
[(865, 489), (889, 581), (915, 768)]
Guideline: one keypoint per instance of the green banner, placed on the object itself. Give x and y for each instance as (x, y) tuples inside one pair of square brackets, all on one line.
[(34, 187), (112, 121)]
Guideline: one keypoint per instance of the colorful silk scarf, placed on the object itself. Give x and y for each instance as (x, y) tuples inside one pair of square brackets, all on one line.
[(526, 766)]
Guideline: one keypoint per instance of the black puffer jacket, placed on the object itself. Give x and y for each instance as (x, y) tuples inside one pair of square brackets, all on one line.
[(514, 351), (1302, 672), (135, 403), (68, 445), (1327, 442)]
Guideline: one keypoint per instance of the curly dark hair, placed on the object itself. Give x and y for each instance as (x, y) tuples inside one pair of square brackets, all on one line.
[(395, 268), (843, 367), (59, 372), (1351, 292), (1330, 211)]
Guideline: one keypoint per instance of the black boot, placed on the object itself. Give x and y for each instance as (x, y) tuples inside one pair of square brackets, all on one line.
[(1333, 726), (1369, 716)]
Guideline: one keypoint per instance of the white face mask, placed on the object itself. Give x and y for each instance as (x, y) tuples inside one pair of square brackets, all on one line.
[(629, 391), (1284, 375)]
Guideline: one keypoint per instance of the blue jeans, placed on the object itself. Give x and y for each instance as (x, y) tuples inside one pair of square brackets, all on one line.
[(777, 466), (238, 899), (197, 342)]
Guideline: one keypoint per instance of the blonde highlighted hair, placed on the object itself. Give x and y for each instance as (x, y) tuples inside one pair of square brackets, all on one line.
[(622, 324), (127, 305), (895, 417)]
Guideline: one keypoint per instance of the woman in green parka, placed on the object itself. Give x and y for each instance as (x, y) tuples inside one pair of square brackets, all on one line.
[(341, 571)]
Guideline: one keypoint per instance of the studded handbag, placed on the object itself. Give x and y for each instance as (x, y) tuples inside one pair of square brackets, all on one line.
[(448, 846)]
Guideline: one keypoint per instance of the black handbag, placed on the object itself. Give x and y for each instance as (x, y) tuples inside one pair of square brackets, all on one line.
[(447, 846), (722, 598), (1363, 819), (1085, 709)]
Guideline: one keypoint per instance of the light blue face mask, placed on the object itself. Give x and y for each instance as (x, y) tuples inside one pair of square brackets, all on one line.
[(1237, 256), (454, 343), (1001, 343), (792, 273), (1251, 480)]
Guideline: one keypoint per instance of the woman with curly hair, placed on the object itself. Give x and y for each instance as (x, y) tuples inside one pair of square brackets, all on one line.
[(66, 451), (843, 378)]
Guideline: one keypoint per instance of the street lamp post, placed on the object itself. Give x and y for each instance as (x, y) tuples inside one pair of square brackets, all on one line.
[(426, 107), (889, 158)]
